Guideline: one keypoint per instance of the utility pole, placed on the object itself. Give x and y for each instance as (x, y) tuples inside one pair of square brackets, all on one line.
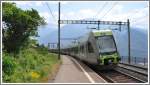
[(119, 26), (98, 25), (129, 55), (48, 45), (59, 30)]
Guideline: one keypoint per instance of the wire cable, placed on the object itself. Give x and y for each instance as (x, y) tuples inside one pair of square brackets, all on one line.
[(101, 9), (140, 18), (109, 10), (137, 11), (139, 21), (54, 18)]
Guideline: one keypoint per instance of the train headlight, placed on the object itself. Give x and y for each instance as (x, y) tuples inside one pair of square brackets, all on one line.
[(110, 61)]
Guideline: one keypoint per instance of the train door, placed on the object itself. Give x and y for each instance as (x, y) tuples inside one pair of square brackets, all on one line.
[(81, 51), (89, 49), (84, 51)]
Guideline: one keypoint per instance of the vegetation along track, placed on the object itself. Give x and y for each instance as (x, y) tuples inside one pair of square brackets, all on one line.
[(114, 76)]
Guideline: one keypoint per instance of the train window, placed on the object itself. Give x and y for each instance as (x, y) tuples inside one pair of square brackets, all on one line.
[(106, 44), (76, 50), (90, 48), (82, 48)]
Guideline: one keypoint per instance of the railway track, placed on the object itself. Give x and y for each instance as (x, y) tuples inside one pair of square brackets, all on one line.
[(113, 76), (140, 73), (123, 74)]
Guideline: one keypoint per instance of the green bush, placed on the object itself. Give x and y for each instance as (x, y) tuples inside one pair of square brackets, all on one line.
[(8, 66), (31, 65)]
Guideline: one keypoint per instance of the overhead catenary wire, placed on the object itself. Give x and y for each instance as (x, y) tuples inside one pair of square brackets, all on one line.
[(137, 11), (140, 18), (139, 21), (54, 18), (101, 9), (109, 10)]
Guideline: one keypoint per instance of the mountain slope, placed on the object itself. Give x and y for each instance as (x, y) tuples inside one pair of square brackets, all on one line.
[(139, 38)]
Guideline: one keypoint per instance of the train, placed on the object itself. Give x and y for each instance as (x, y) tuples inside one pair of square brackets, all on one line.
[(96, 48)]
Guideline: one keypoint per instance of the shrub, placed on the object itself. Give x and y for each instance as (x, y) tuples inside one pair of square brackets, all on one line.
[(8, 66)]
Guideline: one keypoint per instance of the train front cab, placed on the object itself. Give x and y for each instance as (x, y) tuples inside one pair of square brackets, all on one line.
[(108, 54), (109, 58)]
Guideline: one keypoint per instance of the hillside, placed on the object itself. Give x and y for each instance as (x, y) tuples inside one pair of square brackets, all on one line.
[(139, 38)]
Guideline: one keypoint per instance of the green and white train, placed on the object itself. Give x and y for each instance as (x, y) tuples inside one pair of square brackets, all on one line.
[(96, 48)]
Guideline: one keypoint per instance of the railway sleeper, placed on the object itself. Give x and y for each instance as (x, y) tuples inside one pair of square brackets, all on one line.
[(133, 74)]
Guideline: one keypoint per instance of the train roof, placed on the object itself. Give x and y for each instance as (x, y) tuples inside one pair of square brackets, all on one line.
[(85, 37), (102, 32)]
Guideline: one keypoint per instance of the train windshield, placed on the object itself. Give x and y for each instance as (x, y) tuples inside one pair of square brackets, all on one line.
[(106, 44)]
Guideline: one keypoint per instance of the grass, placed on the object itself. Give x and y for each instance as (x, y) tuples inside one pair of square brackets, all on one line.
[(31, 65)]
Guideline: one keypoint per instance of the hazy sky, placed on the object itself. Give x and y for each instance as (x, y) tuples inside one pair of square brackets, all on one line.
[(136, 11)]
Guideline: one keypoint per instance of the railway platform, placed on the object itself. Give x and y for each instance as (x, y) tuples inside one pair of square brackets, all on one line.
[(73, 71)]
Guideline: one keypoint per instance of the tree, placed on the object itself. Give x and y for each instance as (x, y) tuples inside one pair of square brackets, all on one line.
[(20, 25)]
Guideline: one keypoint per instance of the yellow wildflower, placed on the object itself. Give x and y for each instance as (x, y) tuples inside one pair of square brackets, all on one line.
[(35, 75)]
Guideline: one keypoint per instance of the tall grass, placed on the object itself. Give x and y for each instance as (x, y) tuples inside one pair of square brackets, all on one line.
[(31, 65)]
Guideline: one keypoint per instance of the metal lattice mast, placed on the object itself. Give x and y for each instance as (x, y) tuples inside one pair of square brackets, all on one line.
[(59, 30)]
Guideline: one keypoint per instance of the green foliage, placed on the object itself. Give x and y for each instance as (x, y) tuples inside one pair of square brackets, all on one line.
[(32, 62), (20, 25), (8, 66), (32, 65)]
